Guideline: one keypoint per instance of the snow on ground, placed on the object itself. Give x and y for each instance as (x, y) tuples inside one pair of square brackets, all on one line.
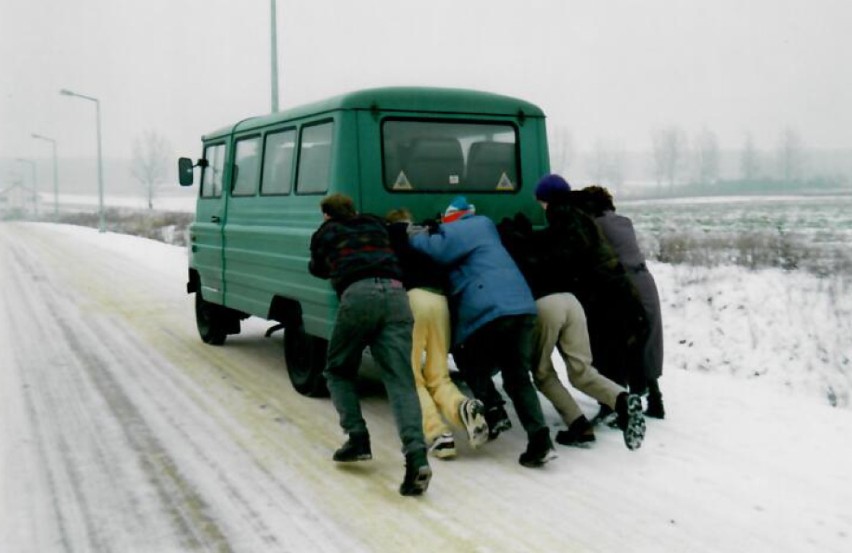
[(121, 431)]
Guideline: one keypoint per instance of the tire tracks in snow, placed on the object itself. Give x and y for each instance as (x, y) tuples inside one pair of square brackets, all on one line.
[(144, 397)]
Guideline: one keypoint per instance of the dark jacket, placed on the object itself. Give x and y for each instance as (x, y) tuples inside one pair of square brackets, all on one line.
[(620, 233), (349, 250), (571, 255), (418, 269)]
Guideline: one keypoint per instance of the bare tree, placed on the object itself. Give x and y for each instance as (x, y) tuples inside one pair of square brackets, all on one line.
[(608, 164), (706, 156), (150, 164), (790, 155), (669, 147), (562, 150), (749, 163)]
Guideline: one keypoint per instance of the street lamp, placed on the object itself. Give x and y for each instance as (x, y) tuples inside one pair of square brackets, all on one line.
[(101, 225), (35, 184), (55, 175)]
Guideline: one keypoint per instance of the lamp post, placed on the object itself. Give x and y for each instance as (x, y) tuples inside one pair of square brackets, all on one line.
[(35, 184), (101, 225), (55, 174)]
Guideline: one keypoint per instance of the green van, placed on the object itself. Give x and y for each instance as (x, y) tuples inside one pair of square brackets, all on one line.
[(262, 178)]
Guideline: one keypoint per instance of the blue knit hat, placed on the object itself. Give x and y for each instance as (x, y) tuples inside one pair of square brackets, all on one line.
[(457, 209), (551, 186)]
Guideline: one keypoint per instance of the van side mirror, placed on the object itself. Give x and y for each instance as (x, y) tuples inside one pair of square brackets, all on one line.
[(185, 175)]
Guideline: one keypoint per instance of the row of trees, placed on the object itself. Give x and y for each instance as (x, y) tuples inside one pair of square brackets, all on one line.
[(675, 159)]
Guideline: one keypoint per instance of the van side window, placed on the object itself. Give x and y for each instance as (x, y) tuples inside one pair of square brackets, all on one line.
[(211, 175), (278, 162), (314, 168), (246, 165)]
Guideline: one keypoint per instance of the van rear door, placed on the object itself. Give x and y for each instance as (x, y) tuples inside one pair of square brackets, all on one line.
[(206, 232)]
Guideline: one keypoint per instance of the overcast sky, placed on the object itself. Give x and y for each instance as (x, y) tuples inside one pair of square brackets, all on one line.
[(609, 69)]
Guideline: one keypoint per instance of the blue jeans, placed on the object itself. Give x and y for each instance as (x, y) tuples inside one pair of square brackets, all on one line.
[(375, 312)]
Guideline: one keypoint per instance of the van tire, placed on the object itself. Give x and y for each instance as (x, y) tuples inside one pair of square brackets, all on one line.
[(305, 356), (211, 320)]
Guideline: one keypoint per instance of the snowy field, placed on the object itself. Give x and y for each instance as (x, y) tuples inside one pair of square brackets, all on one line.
[(806, 232), (121, 431)]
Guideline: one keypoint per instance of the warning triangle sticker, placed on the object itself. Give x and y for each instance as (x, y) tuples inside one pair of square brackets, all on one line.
[(504, 183), (402, 182)]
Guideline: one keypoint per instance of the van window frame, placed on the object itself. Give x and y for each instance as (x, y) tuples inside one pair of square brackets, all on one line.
[(293, 160), (307, 125), (510, 124), (235, 169), (210, 167)]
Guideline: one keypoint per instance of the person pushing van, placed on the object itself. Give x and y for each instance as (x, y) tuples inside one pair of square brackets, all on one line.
[(493, 315), (354, 252)]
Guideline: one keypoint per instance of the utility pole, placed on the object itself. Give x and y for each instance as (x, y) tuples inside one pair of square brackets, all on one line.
[(274, 57), (55, 175), (34, 189)]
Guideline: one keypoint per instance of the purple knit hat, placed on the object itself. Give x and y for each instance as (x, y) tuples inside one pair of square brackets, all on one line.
[(551, 186)]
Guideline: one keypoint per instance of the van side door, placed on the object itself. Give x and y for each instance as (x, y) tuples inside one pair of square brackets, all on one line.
[(206, 232)]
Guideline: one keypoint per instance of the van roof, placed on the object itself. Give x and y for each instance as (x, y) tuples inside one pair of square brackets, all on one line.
[(419, 99)]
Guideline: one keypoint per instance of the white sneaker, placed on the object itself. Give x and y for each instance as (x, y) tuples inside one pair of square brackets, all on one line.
[(472, 413), (444, 446)]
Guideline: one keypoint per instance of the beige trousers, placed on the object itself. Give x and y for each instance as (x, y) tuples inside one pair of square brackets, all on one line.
[(562, 324), (430, 345)]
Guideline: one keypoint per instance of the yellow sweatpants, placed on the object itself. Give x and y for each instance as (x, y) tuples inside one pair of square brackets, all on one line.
[(430, 343)]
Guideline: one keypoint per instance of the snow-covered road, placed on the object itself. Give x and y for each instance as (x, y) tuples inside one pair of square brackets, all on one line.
[(121, 431)]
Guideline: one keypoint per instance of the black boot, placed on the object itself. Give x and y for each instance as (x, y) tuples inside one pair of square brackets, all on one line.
[(417, 474), (579, 433), (539, 449), (655, 401), (356, 448), (497, 420)]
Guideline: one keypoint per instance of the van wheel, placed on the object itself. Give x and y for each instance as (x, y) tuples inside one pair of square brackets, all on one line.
[(305, 356), (211, 321)]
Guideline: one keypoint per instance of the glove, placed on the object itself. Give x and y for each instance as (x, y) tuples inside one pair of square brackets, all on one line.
[(431, 225)]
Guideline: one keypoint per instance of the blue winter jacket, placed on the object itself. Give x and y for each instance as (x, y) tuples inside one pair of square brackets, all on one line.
[(485, 283)]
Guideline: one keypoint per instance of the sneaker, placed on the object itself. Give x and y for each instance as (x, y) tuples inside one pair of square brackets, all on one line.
[(417, 474), (444, 446), (539, 450), (630, 419), (498, 421), (580, 433), (472, 413), (356, 448)]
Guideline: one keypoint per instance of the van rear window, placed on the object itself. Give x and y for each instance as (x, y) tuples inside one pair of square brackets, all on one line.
[(449, 156)]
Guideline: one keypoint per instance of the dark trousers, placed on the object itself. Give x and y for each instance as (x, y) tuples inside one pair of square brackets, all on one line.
[(375, 312), (504, 345)]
